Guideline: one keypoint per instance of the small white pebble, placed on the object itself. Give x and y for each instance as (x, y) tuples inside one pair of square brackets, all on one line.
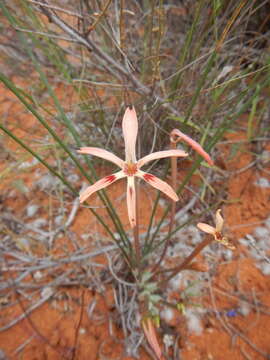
[(228, 254), (255, 255), (31, 210), (265, 156), (265, 268), (263, 244), (267, 223), (58, 220), (167, 314), (27, 164), (82, 331), (47, 292), (117, 236), (38, 275), (262, 182), (73, 178), (168, 340), (261, 232), (47, 182), (194, 322), (244, 308), (244, 242), (38, 223), (176, 282), (85, 236)]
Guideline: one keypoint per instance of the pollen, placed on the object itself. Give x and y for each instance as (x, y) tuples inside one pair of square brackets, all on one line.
[(130, 169)]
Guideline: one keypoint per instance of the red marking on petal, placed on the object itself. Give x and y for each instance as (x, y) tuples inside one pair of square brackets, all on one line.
[(110, 178), (149, 177), (130, 191)]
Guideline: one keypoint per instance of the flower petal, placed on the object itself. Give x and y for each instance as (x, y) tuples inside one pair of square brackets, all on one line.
[(130, 131), (158, 184), (160, 155), (207, 228), (131, 200), (151, 336), (100, 184), (219, 221), (196, 146), (104, 154)]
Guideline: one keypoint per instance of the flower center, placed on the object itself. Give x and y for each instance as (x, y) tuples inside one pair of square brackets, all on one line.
[(130, 169)]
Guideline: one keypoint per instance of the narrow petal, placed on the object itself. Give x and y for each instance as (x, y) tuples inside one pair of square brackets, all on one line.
[(160, 155), (104, 154), (219, 221), (131, 201), (100, 184), (158, 184), (207, 228), (130, 131), (196, 146), (151, 336)]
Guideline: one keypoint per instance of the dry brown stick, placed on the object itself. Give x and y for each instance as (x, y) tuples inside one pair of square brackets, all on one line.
[(56, 8), (183, 265), (121, 25)]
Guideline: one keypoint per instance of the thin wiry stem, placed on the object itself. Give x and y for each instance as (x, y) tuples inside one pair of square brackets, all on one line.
[(56, 8), (45, 34), (136, 230), (187, 261), (99, 17), (173, 207)]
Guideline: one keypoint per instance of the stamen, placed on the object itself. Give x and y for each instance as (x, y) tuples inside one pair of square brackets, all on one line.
[(130, 169)]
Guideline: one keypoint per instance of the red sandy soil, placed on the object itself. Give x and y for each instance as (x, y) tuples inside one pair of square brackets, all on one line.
[(61, 327)]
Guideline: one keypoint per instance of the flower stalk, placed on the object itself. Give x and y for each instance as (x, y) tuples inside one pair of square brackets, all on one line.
[(176, 136), (136, 228), (217, 236)]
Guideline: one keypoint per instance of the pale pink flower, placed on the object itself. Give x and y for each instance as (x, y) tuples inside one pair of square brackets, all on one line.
[(130, 168), (216, 231), (196, 146), (150, 333)]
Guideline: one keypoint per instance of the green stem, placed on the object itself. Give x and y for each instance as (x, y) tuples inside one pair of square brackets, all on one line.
[(173, 207)]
